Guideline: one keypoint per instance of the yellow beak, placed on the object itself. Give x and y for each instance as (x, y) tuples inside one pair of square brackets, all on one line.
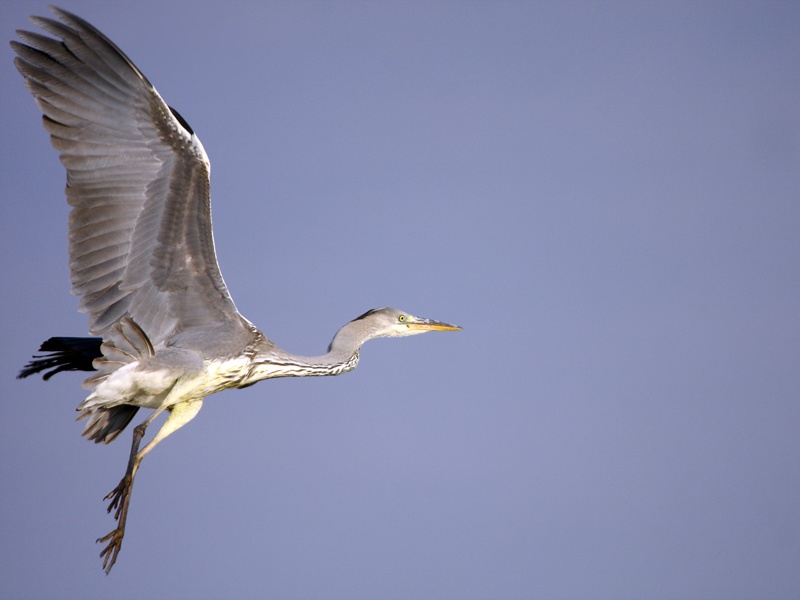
[(430, 325)]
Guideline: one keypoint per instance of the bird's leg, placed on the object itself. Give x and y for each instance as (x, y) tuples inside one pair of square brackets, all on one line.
[(120, 497)]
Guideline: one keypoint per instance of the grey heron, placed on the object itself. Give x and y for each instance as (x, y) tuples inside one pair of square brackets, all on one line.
[(166, 331)]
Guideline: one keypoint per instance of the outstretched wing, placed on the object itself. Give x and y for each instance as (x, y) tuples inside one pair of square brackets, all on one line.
[(140, 238)]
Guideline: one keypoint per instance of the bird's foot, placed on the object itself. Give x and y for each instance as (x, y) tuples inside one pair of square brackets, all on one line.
[(119, 496), (109, 554)]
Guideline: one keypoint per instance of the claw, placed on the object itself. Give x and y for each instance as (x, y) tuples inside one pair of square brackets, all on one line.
[(118, 495), (120, 498), (109, 554)]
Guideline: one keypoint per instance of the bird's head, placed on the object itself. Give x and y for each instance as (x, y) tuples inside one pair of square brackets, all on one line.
[(390, 322)]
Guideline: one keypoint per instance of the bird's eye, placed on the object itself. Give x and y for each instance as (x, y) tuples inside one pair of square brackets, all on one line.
[(401, 318)]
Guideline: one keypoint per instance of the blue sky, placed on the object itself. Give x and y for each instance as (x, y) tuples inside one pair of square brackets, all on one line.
[(604, 195)]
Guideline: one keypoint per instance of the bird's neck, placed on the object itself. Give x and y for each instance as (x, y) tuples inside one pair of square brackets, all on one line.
[(269, 361)]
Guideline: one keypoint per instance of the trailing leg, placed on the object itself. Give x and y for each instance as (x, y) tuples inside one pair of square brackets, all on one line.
[(120, 497)]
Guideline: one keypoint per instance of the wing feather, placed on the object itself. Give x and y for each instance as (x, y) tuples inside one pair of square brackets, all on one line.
[(141, 243)]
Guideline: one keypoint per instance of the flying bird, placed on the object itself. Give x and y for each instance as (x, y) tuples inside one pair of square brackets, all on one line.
[(141, 255)]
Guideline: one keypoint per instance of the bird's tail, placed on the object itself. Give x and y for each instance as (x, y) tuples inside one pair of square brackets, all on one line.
[(126, 343), (64, 354)]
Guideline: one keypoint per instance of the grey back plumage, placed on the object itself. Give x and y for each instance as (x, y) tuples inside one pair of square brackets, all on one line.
[(140, 238)]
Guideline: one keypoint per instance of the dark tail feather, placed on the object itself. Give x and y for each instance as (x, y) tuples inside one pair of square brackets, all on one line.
[(105, 424), (66, 354)]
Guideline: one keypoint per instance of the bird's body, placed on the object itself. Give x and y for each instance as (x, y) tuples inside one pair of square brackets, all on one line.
[(142, 254), (188, 375)]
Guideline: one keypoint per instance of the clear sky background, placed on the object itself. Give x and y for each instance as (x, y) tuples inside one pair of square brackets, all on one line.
[(606, 196)]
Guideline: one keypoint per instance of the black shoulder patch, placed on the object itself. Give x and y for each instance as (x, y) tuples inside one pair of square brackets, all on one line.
[(181, 120)]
